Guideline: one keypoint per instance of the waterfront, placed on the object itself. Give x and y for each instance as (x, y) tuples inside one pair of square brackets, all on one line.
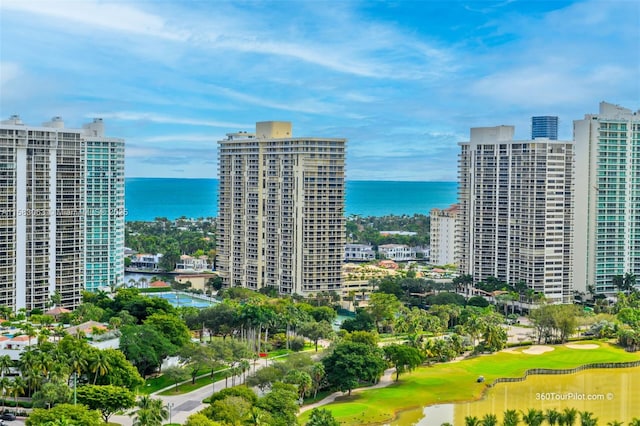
[(148, 198)]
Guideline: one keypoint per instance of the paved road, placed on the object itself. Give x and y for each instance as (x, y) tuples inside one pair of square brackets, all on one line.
[(182, 406)]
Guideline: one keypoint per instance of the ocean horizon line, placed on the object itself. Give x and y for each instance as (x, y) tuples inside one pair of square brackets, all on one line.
[(347, 180)]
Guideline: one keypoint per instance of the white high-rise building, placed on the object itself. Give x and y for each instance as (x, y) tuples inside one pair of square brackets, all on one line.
[(43, 205), (607, 240), (281, 210), (516, 211), (443, 236)]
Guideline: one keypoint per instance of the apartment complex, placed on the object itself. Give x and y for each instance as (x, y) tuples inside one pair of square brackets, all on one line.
[(545, 126), (281, 210), (443, 236), (607, 240), (46, 222), (516, 211), (105, 211)]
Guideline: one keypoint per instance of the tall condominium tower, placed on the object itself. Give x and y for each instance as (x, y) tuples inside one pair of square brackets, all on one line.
[(516, 211), (105, 210), (44, 216), (607, 240), (545, 126), (443, 236), (281, 210)]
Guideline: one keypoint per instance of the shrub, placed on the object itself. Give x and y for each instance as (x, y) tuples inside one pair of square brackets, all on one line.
[(297, 344)]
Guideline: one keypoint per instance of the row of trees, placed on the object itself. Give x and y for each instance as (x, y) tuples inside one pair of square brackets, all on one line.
[(536, 417)]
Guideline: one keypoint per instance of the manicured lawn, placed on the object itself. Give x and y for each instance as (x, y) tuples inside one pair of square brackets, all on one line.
[(457, 381)]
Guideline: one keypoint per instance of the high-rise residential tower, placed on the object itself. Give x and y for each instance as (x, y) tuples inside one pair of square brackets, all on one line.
[(443, 236), (516, 211), (607, 240), (105, 211), (44, 226), (281, 210), (545, 126)]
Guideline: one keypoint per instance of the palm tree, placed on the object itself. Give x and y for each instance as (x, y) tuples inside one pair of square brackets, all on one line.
[(533, 417), (511, 418), (471, 421), (587, 419), (18, 386), (99, 364), (615, 423), (634, 422), (553, 417), (151, 412), (489, 420), (5, 385), (569, 416)]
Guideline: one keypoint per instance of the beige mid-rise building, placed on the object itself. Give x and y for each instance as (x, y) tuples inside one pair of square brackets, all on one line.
[(281, 210), (516, 211), (443, 236)]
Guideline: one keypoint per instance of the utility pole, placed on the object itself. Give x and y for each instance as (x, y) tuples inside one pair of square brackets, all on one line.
[(75, 386)]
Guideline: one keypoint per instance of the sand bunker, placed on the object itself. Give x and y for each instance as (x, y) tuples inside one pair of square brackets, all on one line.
[(537, 350), (585, 346)]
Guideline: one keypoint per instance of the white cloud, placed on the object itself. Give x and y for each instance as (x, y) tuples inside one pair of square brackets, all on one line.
[(90, 13), (165, 119)]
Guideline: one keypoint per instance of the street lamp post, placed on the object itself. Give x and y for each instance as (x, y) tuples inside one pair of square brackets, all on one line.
[(170, 407), (75, 386)]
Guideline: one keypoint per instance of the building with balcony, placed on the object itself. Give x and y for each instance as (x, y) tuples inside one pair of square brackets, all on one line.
[(516, 211), (443, 237), (607, 239), (47, 233), (281, 210)]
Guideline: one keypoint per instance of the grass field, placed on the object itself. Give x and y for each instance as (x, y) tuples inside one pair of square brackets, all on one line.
[(456, 381)]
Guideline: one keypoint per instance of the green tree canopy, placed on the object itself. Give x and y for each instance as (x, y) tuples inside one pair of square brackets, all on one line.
[(106, 399)]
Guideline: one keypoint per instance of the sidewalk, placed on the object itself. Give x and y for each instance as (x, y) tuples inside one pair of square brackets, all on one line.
[(182, 406)]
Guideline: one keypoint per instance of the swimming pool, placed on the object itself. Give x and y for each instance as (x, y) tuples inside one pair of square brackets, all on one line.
[(183, 299)]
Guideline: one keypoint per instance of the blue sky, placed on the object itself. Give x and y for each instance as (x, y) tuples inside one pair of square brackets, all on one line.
[(403, 81)]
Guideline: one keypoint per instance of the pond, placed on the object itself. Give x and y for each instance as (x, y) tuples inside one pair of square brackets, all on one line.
[(610, 394)]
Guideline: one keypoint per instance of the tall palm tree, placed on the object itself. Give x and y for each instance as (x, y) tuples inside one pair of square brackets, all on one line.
[(511, 418), (5, 365), (5, 386), (99, 364), (17, 387)]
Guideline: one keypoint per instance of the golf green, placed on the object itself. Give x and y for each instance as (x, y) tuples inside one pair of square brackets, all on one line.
[(441, 384)]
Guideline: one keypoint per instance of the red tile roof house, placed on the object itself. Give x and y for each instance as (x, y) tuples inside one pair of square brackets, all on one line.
[(159, 284)]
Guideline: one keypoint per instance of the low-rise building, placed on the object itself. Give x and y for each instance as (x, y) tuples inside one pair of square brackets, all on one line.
[(145, 261), (397, 252), (192, 264), (198, 281), (358, 253)]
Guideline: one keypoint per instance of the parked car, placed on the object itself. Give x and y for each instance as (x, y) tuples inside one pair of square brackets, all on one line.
[(7, 415)]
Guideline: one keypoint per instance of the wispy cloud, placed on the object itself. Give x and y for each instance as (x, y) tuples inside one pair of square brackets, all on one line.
[(403, 81)]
